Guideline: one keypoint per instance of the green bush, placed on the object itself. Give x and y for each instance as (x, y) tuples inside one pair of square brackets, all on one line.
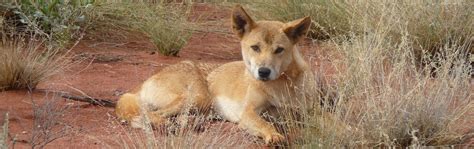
[(55, 21)]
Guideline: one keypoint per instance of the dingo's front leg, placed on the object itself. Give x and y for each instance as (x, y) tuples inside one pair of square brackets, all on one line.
[(250, 118), (252, 121)]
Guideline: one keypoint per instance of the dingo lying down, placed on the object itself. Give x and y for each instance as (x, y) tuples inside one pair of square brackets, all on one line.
[(239, 90)]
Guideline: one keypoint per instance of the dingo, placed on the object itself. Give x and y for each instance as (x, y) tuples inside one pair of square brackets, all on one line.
[(271, 63), (240, 90)]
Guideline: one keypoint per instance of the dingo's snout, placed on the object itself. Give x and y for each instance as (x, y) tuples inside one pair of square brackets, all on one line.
[(264, 73)]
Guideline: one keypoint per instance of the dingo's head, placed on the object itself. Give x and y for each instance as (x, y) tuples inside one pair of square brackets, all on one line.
[(268, 46)]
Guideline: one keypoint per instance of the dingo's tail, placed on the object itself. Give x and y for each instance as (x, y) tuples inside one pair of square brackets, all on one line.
[(127, 107)]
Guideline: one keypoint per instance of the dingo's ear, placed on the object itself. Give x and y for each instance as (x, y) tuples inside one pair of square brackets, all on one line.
[(241, 21), (297, 29)]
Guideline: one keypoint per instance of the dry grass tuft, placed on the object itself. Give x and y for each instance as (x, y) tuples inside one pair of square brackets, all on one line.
[(48, 123), (24, 65)]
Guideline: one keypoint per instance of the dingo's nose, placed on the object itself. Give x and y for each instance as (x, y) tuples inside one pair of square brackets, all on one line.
[(263, 73)]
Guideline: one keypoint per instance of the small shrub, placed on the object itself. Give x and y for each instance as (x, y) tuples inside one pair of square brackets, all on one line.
[(55, 21), (47, 123)]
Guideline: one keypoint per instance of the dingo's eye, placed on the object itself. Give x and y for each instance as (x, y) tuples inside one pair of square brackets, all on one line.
[(279, 50), (255, 48)]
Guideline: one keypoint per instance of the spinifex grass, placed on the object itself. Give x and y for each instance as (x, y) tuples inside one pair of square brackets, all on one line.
[(23, 66)]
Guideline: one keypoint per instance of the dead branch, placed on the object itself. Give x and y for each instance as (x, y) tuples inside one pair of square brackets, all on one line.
[(88, 99), (93, 101)]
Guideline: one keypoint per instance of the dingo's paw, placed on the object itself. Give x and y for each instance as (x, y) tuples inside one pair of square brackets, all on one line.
[(274, 138)]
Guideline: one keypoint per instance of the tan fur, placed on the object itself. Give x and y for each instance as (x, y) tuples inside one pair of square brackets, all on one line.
[(165, 94), (240, 93)]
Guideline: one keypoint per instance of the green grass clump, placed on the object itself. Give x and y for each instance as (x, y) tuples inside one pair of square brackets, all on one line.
[(165, 24)]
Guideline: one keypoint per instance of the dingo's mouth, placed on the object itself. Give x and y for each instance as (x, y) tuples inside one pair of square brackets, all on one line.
[(263, 79)]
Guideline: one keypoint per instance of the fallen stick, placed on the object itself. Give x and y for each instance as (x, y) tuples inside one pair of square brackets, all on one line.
[(88, 99), (93, 101)]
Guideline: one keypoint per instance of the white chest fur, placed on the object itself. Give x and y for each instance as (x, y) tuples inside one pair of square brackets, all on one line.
[(230, 109)]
